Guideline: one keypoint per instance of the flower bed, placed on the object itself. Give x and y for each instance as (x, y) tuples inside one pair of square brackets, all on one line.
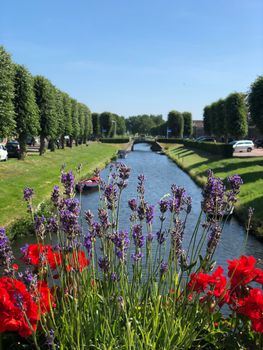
[(100, 287)]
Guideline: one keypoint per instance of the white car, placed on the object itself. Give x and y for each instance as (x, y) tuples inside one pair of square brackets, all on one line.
[(3, 153), (243, 146)]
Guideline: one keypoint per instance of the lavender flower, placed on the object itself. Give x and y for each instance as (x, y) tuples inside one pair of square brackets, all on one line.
[(140, 187), (30, 279), (178, 200), (55, 196), (177, 237), (235, 182), (141, 211), (72, 204), (213, 238), (114, 276), (149, 237), (40, 228), (138, 236), (121, 241), (163, 205), (104, 264), (104, 219), (50, 339), (124, 174), (149, 211), (28, 194), (52, 225), (132, 204), (160, 237), (89, 217), (163, 268), (88, 242), (110, 194), (213, 196), (69, 223), (6, 254), (67, 179), (137, 256)]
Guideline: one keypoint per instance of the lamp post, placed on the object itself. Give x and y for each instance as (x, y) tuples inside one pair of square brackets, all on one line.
[(114, 121)]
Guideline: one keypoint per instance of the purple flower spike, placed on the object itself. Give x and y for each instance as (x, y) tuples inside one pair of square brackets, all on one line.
[(55, 197), (140, 187), (137, 256), (89, 217), (160, 237), (67, 179), (163, 204), (132, 204), (121, 241), (163, 268), (6, 253), (28, 194), (138, 236), (104, 264), (149, 211), (213, 196)]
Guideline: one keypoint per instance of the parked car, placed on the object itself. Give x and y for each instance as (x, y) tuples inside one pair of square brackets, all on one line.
[(13, 149), (3, 153), (259, 143), (243, 145)]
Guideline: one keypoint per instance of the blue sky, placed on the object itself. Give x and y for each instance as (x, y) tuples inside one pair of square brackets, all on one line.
[(138, 56)]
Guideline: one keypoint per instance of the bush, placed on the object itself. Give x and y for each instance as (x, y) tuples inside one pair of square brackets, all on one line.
[(173, 140), (222, 149), (115, 140)]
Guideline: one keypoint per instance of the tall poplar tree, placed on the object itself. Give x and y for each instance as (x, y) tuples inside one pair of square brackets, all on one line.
[(68, 120), (176, 123), (236, 115), (75, 120), (255, 101), (45, 99), (26, 110), (7, 114), (188, 124), (96, 124)]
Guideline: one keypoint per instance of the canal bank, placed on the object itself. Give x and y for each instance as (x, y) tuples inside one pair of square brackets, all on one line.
[(196, 164), (41, 174)]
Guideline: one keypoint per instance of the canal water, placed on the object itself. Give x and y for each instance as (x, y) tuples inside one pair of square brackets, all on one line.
[(160, 173)]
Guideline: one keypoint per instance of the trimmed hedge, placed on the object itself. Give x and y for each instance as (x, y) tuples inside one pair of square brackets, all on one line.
[(173, 140), (222, 149), (115, 140)]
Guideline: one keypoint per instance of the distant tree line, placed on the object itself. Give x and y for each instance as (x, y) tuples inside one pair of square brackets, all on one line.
[(108, 124), (33, 106), (230, 117), (177, 125)]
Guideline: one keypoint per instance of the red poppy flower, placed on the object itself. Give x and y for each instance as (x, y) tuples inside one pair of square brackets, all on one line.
[(252, 306), (198, 282), (77, 261), (38, 253), (242, 271), (15, 303), (45, 297)]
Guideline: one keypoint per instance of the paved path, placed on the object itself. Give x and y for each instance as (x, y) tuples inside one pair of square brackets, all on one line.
[(257, 152)]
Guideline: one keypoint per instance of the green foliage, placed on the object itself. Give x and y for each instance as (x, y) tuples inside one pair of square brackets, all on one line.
[(143, 124), (67, 115), (75, 120), (255, 100), (176, 123), (106, 123), (225, 150), (115, 140), (207, 120), (236, 115), (45, 99), (60, 115), (172, 140), (26, 110), (88, 128), (96, 124), (7, 115), (188, 124)]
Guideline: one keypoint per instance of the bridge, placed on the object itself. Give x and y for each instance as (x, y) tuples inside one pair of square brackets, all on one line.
[(155, 146)]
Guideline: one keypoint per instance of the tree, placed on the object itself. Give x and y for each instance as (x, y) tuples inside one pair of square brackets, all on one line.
[(188, 124), (236, 115), (220, 128), (45, 99), (88, 129), (121, 126), (81, 113), (96, 124), (7, 115), (68, 119), (26, 110), (255, 101), (75, 120), (60, 116), (176, 123), (207, 120), (106, 123)]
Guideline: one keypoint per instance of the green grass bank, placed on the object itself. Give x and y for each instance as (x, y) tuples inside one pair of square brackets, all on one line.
[(196, 163), (42, 173)]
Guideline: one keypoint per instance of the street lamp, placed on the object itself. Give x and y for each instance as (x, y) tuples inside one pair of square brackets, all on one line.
[(114, 121)]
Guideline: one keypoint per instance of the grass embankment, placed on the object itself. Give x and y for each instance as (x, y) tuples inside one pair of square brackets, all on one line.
[(42, 173), (196, 163)]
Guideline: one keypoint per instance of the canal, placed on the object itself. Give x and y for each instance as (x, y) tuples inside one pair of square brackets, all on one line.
[(160, 173)]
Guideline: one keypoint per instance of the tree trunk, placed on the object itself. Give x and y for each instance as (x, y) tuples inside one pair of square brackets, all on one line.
[(22, 144), (62, 141), (70, 141), (42, 148), (76, 142), (52, 145)]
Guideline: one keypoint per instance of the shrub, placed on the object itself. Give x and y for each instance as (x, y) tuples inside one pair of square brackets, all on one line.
[(115, 140), (171, 140), (222, 149)]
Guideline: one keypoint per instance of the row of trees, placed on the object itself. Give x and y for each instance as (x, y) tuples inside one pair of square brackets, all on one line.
[(33, 106), (143, 124), (231, 116), (178, 125), (108, 124)]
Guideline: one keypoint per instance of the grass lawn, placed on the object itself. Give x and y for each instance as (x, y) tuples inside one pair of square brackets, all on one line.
[(42, 173), (196, 163)]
